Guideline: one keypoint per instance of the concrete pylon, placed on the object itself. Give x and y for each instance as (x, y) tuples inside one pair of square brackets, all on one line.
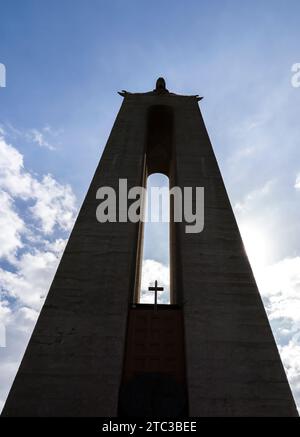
[(74, 363)]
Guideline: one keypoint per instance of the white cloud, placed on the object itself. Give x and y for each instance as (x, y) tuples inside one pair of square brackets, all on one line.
[(32, 278), (57, 246), (19, 325), (297, 182), (11, 226), (54, 203), (13, 178), (290, 355), (38, 137), (251, 200), (279, 285), (45, 137), (263, 220), (30, 241), (151, 271), (4, 317)]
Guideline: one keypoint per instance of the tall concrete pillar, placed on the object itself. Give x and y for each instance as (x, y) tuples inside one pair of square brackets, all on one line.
[(77, 359)]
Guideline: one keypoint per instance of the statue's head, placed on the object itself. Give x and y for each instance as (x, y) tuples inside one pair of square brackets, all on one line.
[(160, 84)]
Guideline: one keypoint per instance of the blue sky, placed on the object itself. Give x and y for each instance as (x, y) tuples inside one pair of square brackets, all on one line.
[(65, 62), (66, 59)]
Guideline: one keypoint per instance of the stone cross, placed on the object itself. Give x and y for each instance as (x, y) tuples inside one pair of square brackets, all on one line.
[(155, 289)]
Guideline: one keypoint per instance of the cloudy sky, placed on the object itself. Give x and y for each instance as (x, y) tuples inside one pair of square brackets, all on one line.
[(65, 61)]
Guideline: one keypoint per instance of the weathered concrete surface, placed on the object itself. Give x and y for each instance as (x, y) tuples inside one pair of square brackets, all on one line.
[(233, 365), (73, 364)]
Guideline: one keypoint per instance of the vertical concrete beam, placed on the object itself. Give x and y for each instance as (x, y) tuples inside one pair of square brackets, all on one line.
[(233, 365), (73, 363)]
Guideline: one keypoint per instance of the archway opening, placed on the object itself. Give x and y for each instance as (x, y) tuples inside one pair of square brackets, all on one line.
[(156, 242)]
